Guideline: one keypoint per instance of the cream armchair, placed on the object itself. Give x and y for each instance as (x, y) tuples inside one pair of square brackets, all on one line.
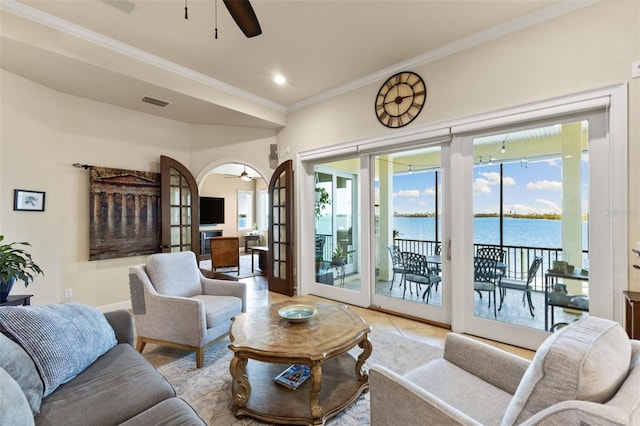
[(586, 374), (175, 305)]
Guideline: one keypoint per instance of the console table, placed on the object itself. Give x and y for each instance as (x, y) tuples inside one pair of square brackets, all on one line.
[(550, 278), (18, 300)]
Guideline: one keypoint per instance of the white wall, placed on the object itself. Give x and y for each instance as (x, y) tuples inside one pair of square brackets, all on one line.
[(587, 49), (43, 133)]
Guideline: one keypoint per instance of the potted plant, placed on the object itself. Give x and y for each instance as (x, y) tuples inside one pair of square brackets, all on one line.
[(15, 264), (338, 256)]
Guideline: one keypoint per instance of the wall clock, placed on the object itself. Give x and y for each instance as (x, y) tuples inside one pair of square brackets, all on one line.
[(400, 99)]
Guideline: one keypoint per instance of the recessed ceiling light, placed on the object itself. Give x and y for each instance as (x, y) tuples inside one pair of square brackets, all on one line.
[(279, 79)]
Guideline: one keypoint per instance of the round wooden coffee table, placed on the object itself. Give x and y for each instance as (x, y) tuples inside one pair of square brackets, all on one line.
[(264, 345)]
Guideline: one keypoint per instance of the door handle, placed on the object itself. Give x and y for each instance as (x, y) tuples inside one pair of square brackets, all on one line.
[(448, 249)]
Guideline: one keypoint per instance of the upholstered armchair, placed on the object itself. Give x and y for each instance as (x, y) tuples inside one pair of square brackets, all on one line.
[(175, 305), (588, 373)]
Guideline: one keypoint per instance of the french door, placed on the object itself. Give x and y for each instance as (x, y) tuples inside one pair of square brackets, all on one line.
[(280, 254), (179, 202)]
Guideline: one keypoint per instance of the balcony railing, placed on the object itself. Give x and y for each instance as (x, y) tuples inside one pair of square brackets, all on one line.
[(518, 258)]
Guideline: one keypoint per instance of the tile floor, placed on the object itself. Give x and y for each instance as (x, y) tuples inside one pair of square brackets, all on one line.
[(258, 295)]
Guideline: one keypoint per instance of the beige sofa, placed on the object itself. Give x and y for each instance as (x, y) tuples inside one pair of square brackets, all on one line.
[(585, 374)]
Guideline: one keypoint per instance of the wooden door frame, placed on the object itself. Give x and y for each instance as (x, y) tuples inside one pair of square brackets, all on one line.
[(166, 164), (287, 284)]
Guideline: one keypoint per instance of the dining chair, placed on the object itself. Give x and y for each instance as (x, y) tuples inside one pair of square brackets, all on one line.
[(494, 253), (420, 272), (398, 264), (484, 273), (522, 285)]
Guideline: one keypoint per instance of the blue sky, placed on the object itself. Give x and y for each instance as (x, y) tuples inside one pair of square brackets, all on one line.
[(532, 187)]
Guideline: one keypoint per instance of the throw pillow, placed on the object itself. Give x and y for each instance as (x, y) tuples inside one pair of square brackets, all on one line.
[(15, 361), (586, 361), (14, 408), (62, 339)]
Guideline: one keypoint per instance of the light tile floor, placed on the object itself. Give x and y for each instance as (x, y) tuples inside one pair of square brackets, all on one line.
[(258, 295)]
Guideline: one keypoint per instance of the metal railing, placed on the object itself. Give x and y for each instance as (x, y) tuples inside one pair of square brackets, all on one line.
[(517, 258)]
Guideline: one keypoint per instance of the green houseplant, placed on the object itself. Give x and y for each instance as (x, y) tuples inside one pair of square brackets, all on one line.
[(338, 256), (15, 264), (322, 200)]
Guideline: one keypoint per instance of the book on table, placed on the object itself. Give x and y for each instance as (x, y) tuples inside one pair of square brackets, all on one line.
[(293, 376)]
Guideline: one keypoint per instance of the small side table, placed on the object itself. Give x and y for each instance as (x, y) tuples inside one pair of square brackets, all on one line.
[(18, 300), (252, 237), (632, 322)]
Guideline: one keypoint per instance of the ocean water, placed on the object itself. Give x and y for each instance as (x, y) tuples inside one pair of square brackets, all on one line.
[(486, 230)]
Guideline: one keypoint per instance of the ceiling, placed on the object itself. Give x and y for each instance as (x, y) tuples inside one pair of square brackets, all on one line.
[(94, 49)]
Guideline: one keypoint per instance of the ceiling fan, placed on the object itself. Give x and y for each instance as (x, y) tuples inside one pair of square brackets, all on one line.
[(241, 12), (244, 175)]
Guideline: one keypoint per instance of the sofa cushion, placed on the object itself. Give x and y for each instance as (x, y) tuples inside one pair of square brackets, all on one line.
[(62, 339), (14, 407), (172, 411), (471, 395), (174, 274), (118, 386), (586, 361)]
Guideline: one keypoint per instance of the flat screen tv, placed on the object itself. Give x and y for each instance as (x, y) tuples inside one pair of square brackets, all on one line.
[(211, 210)]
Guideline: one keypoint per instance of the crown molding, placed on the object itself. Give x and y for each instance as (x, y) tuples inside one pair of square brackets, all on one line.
[(481, 37), (98, 39)]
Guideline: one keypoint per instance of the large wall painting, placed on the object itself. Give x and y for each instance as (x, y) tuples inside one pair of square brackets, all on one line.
[(124, 213)]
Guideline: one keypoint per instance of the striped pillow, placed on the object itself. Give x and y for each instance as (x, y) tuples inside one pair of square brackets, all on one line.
[(62, 339)]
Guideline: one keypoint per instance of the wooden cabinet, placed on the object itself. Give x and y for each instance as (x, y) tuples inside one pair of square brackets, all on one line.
[(632, 322), (225, 252)]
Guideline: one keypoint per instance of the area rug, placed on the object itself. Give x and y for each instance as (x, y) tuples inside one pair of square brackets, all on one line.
[(208, 390)]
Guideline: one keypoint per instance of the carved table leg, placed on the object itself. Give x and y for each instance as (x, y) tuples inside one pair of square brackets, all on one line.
[(316, 385), (241, 381), (367, 348)]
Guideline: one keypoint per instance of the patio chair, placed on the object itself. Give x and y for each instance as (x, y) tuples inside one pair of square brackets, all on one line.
[(494, 253), (419, 271), (398, 264), (524, 286), (484, 272)]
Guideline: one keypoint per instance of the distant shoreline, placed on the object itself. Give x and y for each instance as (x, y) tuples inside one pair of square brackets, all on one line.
[(547, 216)]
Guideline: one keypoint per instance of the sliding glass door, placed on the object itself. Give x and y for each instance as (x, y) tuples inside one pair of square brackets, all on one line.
[(530, 208), (336, 236), (539, 190), (410, 272)]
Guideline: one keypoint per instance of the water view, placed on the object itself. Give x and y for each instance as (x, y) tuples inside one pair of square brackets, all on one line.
[(517, 232)]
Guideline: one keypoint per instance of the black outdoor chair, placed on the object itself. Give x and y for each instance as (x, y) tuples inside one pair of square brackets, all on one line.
[(398, 264), (525, 286), (484, 272), (420, 272)]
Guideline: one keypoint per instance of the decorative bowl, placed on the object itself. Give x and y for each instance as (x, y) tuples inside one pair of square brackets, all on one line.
[(297, 313)]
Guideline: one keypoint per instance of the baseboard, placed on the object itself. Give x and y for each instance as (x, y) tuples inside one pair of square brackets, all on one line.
[(115, 306)]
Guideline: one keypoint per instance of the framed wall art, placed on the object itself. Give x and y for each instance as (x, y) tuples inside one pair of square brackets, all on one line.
[(25, 200)]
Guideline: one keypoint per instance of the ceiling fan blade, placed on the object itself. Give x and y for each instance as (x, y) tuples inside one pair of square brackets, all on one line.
[(245, 17)]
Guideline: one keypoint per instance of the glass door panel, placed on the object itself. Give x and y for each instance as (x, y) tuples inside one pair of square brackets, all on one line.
[(408, 233), (336, 236), (531, 211)]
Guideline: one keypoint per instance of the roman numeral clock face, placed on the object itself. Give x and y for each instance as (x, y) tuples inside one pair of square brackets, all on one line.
[(400, 99)]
